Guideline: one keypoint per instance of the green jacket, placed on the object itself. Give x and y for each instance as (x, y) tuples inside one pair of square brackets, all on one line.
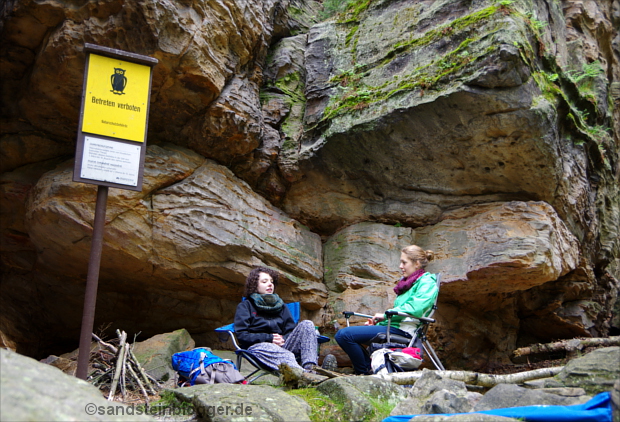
[(418, 301)]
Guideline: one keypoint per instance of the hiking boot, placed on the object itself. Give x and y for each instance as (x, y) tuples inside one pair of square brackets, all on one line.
[(330, 363)]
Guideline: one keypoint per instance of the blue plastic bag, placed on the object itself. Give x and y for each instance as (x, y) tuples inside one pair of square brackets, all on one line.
[(597, 409)]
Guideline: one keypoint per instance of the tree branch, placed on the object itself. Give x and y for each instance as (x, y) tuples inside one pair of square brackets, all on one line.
[(474, 378), (567, 345)]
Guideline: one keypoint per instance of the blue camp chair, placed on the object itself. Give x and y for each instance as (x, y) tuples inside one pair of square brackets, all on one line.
[(228, 331)]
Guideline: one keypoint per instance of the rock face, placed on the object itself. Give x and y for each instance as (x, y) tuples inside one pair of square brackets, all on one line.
[(485, 131), (232, 229)]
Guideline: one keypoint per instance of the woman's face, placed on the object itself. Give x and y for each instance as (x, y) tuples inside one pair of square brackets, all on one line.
[(265, 284), (407, 266)]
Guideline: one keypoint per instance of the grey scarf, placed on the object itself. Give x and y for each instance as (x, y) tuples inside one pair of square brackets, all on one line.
[(270, 304)]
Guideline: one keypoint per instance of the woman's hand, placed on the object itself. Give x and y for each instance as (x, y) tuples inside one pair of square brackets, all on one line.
[(278, 340), (379, 317), (375, 319)]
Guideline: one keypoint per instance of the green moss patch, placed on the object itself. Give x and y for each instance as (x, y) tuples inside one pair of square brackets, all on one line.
[(322, 408), (358, 95)]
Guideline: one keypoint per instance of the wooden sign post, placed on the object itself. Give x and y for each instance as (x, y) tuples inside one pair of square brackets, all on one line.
[(110, 150)]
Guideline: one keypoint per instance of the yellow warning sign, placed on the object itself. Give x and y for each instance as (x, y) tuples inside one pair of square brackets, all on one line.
[(116, 98)]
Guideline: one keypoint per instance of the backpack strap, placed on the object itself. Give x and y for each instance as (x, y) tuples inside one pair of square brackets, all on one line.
[(199, 369), (203, 355)]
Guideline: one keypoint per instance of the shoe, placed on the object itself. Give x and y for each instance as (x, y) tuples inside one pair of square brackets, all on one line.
[(330, 363)]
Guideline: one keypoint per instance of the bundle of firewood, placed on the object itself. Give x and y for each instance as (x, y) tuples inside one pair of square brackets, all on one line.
[(114, 366)]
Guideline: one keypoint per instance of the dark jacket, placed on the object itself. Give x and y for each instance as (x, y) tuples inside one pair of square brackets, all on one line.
[(253, 326)]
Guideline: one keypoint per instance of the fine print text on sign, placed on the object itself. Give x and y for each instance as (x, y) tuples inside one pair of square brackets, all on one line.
[(116, 98), (110, 161)]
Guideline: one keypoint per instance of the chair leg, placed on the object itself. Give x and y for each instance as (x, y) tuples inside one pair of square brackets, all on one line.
[(251, 380), (432, 355)]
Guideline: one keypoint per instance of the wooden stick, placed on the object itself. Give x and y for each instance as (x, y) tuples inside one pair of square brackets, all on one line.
[(119, 363), (474, 378), (135, 376), (327, 373), (153, 381), (108, 345), (567, 345), (144, 375), (94, 380), (123, 371)]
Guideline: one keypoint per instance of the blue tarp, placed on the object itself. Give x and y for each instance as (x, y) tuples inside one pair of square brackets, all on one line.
[(598, 409)]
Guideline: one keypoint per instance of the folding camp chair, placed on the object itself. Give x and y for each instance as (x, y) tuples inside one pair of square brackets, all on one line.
[(393, 340), (228, 331)]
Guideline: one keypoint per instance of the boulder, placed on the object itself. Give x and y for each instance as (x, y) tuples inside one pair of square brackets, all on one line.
[(595, 372), (34, 391), (359, 393), (220, 212), (361, 266), (510, 395), (230, 402), (363, 256), (154, 354), (433, 394), (420, 113), (499, 248)]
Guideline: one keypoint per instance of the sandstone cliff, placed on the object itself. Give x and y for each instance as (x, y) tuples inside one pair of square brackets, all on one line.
[(484, 130)]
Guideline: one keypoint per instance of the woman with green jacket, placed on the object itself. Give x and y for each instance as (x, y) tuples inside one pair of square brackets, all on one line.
[(416, 293)]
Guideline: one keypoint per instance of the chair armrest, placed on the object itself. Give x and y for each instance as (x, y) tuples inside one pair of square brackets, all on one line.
[(390, 314), (228, 327), (228, 331), (348, 315)]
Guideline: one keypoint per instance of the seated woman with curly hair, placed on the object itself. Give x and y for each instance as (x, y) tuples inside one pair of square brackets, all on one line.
[(264, 325)]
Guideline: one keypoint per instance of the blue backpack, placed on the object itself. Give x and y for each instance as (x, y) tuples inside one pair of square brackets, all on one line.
[(192, 363)]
